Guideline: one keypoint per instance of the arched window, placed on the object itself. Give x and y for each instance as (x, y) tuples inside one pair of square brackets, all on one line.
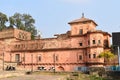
[(81, 31), (39, 57), (94, 42), (106, 44), (99, 42), (56, 57), (94, 55), (88, 42), (80, 57), (89, 55)]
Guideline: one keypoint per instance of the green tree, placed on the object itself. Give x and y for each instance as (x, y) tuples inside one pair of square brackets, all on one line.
[(23, 22), (107, 55), (29, 24), (3, 20), (16, 21)]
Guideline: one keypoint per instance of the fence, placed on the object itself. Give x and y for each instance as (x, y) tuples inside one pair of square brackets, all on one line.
[(112, 68), (82, 68)]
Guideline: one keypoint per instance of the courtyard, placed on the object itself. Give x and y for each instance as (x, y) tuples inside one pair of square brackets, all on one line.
[(21, 75)]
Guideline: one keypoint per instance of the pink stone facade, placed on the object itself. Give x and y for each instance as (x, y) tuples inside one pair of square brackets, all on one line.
[(66, 52)]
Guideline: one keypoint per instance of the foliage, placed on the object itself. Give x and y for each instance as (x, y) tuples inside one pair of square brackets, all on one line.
[(75, 74), (82, 76), (95, 77), (23, 22), (3, 20), (99, 70), (107, 55), (19, 21)]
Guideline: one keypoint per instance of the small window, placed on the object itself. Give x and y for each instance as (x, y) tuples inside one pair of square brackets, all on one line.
[(99, 42), (81, 31), (20, 36), (94, 42), (80, 44), (15, 46), (23, 58), (18, 46), (17, 57), (56, 58), (88, 42), (89, 55), (80, 57), (39, 58), (106, 43), (94, 55)]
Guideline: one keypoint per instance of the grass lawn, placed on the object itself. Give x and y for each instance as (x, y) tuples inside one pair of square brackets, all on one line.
[(82, 76)]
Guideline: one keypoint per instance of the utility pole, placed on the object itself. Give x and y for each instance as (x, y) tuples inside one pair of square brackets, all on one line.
[(118, 51), (118, 56)]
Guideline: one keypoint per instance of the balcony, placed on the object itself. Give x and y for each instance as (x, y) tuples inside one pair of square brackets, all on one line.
[(95, 45), (96, 60)]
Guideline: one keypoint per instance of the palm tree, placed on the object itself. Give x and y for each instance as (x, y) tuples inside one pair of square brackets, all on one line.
[(107, 55)]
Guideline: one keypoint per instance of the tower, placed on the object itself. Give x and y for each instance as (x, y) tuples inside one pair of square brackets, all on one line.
[(82, 26)]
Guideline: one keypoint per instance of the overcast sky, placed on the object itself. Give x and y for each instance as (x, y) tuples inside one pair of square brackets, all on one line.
[(52, 16)]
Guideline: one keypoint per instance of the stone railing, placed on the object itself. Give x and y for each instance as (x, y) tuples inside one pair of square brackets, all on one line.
[(96, 60), (39, 45), (95, 45)]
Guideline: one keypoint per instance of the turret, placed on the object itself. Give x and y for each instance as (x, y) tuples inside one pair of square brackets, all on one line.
[(82, 26)]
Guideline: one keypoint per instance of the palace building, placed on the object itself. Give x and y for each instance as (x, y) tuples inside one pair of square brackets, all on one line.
[(65, 52)]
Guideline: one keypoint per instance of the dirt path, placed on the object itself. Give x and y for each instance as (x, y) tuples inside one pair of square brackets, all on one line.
[(34, 77)]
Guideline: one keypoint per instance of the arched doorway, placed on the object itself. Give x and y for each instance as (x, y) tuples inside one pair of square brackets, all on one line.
[(61, 68)]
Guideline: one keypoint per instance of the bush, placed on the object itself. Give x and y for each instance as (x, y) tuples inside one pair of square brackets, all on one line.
[(28, 72), (99, 70), (94, 77), (75, 74)]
